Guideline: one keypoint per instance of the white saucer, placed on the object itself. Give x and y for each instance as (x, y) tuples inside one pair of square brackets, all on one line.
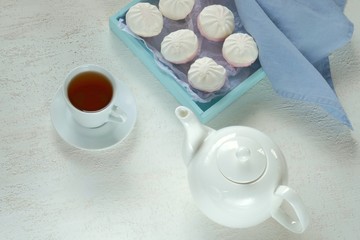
[(102, 137)]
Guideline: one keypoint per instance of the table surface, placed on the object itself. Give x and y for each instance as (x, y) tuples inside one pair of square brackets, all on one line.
[(138, 189)]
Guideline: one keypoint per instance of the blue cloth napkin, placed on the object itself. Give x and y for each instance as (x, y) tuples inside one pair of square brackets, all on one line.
[(295, 38)]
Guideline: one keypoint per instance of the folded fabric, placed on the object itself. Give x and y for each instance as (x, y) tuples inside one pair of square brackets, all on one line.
[(295, 38)]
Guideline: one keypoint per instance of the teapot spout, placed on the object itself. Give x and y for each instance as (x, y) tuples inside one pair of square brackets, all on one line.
[(195, 131)]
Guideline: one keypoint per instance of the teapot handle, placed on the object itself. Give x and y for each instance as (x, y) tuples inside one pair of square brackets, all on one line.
[(295, 225)]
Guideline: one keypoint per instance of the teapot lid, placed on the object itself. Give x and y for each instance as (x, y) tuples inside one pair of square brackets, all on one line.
[(241, 159)]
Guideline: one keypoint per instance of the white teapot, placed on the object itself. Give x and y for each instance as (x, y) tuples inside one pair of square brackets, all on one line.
[(237, 175)]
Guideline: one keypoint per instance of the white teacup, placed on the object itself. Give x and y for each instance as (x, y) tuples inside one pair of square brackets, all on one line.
[(90, 92)]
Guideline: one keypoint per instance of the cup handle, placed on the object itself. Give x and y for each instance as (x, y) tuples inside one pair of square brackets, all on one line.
[(117, 115), (295, 225)]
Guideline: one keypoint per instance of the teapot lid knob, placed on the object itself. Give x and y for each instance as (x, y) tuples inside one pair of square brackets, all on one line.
[(241, 160)]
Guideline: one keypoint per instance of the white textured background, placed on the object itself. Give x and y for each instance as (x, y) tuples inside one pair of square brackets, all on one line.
[(138, 189)]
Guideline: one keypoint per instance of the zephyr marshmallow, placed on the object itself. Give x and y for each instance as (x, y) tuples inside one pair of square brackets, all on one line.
[(180, 46), (206, 75), (216, 22), (176, 9), (240, 50), (144, 19)]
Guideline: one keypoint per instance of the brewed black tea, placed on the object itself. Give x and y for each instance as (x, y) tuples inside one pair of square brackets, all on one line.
[(90, 91)]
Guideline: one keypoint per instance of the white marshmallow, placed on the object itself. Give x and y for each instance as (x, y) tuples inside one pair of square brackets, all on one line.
[(206, 75), (216, 22), (144, 19), (176, 9), (240, 50), (180, 46)]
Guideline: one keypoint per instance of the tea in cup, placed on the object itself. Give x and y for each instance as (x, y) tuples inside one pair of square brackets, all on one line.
[(90, 93)]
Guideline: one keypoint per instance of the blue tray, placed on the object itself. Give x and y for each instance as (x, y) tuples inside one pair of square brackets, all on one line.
[(204, 111)]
